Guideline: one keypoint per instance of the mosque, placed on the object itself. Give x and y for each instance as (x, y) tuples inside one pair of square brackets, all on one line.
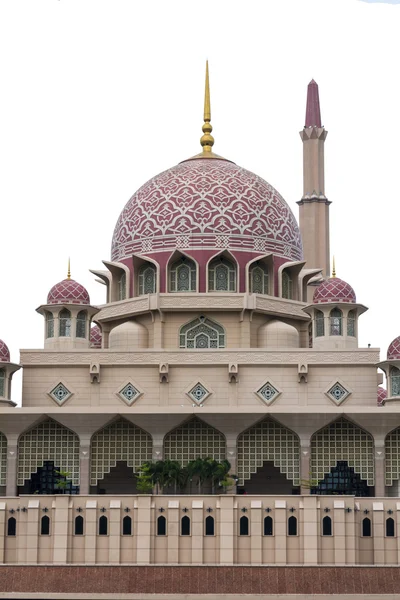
[(223, 334)]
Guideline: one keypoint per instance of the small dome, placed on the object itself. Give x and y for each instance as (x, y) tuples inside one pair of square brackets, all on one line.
[(4, 352), (95, 336), (334, 290), (128, 336), (277, 334), (68, 291), (393, 352), (382, 395)]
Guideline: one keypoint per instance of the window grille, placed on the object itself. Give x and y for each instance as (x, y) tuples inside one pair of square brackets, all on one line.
[(287, 286), (336, 317), (221, 275), (81, 324), (268, 526), (2, 382), (122, 287), (3, 459), (395, 381), (49, 325), (392, 456), (244, 526), (319, 323), (258, 279), (119, 441), (147, 279), (268, 440), (342, 441), (182, 276), (65, 323), (351, 324), (202, 333), (48, 441), (194, 439)]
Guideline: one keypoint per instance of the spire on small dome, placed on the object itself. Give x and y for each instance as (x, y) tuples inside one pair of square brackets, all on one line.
[(69, 269), (207, 140), (333, 267), (313, 111)]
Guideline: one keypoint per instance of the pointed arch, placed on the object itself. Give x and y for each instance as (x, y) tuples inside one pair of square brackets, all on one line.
[(64, 319), (147, 279), (268, 440), (194, 439), (3, 459), (392, 453), (342, 440), (182, 275), (223, 273), (202, 333), (119, 441), (81, 320), (48, 441)]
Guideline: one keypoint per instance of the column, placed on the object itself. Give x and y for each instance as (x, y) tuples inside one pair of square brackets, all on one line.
[(256, 518), (60, 530), (143, 530), (340, 531), (305, 467), (173, 531), (231, 456), (378, 532), (90, 532), (197, 531), (2, 528), (379, 468), (280, 528), (226, 530), (12, 455), (310, 530), (84, 465), (32, 532), (114, 547)]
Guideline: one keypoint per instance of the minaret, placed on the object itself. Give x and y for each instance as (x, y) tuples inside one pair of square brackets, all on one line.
[(314, 206)]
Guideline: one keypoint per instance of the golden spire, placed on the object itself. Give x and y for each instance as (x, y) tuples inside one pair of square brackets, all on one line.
[(69, 269), (333, 267), (207, 140)]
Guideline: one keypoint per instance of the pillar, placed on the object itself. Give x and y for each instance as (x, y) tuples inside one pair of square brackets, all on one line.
[(305, 467), (84, 466), (226, 530), (339, 524), (12, 455), (60, 530), (310, 530), (379, 468), (173, 531), (256, 531), (144, 516), (280, 528), (32, 532), (114, 547), (90, 532), (378, 532), (197, 532)]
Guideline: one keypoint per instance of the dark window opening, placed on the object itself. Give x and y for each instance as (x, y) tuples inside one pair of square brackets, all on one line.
[(49, 480), (292, 526), (103, 525), (390, 527), (326, 526), (244, 526), (342, 481), (210, 525), (45, 526), (79, 525), (185, 526), (126, 526), (366, 527), (268, 526), (12, 526), (161, 526)]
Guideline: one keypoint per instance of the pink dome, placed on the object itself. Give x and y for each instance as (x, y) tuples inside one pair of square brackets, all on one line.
[(206, 204), (334, 290), (4, 352), (68, 291), (95, 336), (393, 352), (382, 395)]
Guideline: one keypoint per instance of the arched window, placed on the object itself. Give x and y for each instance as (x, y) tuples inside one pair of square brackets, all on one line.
[(45, 525), (127, 526), (185, 525), (202, 333), (287, 286), (319, 323), (2, 381), (268, 526), (292, 526), (351, 324), (12, 527), (221, 275), (210, 525), (366, 527), (161, 526), (182, 276), (390, 527), (395, 381), (147, 279), (79, 525), (258, 279), (49, 325), (103, 525), (244, 526), (326, 526), (122, 287), (65, 323), (81, 324), (336, 316)]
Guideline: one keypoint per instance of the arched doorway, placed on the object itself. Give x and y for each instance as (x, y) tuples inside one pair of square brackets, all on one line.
[(268, 459)]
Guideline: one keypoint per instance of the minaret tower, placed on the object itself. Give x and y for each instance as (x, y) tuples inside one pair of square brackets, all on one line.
[(314, 206)]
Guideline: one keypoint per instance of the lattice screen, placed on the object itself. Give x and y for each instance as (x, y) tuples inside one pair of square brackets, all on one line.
[(268, 441), (194, 439), (3, 459), (48, 441), (392, 456), (342, 440), (119, 441)]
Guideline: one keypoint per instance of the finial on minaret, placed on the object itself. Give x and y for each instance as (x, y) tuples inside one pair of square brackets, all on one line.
[(313, 111), (69, 269), (333, 267), (207, 140)]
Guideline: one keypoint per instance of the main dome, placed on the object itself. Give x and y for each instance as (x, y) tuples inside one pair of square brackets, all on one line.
[(207, 204)]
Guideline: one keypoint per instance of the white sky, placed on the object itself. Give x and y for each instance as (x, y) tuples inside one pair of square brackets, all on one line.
[(98, 96)]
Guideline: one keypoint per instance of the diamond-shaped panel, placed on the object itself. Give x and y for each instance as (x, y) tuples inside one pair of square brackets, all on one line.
[(129, 393), (198, 393), (60, 393), (267, 392), (338, 393)]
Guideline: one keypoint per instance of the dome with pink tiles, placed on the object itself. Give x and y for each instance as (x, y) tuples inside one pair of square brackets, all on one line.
[(95, 336), (382, 395), (4, 352), (393, 352), (68, 291), (334, 290)]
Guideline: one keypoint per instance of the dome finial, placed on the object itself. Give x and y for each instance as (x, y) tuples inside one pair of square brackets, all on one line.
[(69, 269), (207, 140), (333, 267)]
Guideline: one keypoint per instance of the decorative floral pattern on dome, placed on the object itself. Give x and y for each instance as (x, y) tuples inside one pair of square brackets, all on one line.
[(334, 290), (95, 336), (68, 291), (207, 204), (393, 352), (4, 352), (382, 395)]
